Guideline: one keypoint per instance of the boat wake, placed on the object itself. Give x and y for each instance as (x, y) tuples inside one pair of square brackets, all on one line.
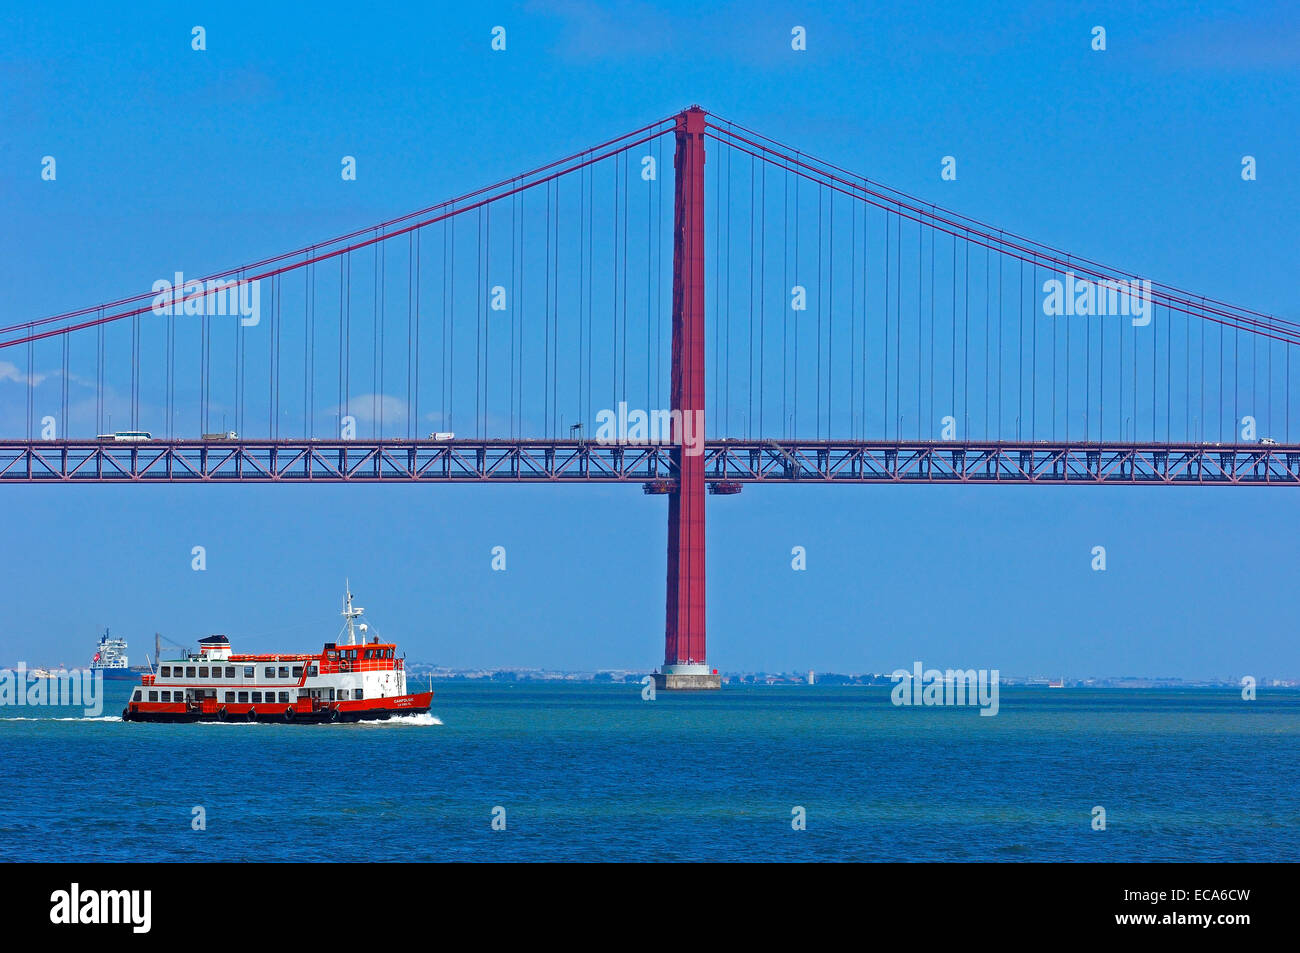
[(85, 718), (423, 720)]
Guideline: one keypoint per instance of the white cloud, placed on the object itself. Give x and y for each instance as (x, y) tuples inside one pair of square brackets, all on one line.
[(368, 408), (10, 372)]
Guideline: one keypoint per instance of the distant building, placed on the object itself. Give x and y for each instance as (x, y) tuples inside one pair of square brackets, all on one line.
[(812, 680)]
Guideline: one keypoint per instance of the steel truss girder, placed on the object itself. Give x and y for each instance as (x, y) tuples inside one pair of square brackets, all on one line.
[(746, 461)]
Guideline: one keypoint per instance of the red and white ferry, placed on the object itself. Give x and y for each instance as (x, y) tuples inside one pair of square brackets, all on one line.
[(352, 681)]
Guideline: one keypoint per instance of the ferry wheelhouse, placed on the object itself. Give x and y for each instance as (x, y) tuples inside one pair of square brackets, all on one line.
[(345, 681)]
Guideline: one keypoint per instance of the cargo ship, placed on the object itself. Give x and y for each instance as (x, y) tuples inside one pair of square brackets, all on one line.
[(110, 659), (346, 681)]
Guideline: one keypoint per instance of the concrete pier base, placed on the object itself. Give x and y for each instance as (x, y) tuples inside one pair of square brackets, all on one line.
[(687, 678)]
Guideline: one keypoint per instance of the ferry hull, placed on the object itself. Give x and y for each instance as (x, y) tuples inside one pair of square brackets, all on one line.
[(381, 709)]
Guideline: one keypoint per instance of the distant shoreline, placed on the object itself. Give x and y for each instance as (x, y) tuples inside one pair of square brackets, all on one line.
[(424, 671), (827, 679)]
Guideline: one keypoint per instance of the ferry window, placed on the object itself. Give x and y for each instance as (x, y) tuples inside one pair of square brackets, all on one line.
[(153, 696), (230, 671), (312, 671), (243, 698), (230, 697), (137, 695), (189, 671), (166, 696), (331, 694), (257, 698), (166, 671), (203, 671), (356, 693), (297, 672), (270, 671), (284, 671), (248, 671), (284, 696)]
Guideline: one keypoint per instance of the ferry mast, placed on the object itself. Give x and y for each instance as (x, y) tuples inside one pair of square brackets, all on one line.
[(351, 614)]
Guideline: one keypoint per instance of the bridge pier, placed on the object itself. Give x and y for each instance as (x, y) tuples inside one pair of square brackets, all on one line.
[(685, 668)]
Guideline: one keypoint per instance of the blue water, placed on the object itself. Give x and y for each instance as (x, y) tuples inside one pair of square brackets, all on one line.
[(595, 773)]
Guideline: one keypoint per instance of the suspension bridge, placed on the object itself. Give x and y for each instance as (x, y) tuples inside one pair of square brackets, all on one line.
[(572, 324)]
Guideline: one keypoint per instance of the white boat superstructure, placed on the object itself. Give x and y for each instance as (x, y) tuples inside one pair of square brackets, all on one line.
[(110, 654)]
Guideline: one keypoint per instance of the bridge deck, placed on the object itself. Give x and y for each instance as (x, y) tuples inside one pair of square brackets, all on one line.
[(744, 461)]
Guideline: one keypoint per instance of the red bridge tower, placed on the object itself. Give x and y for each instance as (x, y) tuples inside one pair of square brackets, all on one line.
[(684, 655)]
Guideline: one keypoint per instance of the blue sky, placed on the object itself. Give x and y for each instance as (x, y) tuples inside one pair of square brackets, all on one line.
[(1131, 156)]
